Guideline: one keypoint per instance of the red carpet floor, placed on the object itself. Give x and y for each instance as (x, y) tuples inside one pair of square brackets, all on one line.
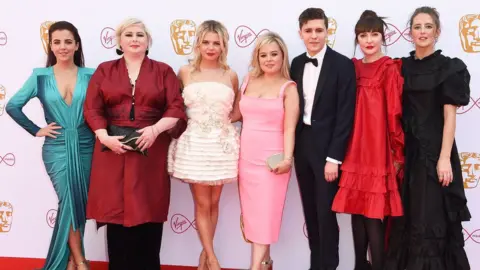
[(7, 263)]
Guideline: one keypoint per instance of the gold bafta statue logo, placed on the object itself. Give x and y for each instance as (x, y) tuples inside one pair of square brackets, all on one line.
[(470, 169), (182, 34), (331, 32), (6, 216), (469, 30), (3, 101), (44, 34)]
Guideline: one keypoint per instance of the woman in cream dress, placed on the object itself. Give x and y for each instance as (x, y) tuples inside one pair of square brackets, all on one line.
[(206, 154)]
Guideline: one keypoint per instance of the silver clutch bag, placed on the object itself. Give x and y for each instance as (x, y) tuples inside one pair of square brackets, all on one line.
[(274, 160)]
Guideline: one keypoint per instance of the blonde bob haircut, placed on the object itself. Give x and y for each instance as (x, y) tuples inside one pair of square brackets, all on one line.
[(211, 26), (264, 39), (130, 22)]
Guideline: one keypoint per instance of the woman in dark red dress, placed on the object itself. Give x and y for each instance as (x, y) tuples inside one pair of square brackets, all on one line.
[(368, 186), (130, 192)]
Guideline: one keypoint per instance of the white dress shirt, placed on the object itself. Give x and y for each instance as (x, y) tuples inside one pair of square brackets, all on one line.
[(311, 74)]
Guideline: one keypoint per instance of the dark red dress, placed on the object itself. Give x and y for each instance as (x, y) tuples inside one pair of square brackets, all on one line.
[(131, 189), (368, 182)]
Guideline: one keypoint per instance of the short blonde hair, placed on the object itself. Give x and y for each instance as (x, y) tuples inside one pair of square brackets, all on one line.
[(264, 39), (213, 27), (129, 22)]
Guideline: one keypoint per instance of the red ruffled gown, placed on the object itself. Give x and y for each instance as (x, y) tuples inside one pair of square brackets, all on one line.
[(368, 183)]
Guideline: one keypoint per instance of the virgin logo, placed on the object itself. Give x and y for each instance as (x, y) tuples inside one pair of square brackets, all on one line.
[(474, 236), (107, 37), (470, 106), (181, 224), (244, 36), (3, 39), (394, 34), (8, 159), (51, 217)]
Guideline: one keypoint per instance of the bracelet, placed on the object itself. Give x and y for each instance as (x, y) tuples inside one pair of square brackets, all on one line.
[(288, 159)]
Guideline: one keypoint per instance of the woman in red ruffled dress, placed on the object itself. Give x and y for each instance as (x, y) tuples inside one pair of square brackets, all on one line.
[(368, 188)]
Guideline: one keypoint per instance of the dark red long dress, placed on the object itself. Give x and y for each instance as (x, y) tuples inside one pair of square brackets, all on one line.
[(131, 189), (368, 184)]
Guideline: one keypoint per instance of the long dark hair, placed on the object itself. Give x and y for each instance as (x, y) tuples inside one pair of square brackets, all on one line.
[(78, 56)]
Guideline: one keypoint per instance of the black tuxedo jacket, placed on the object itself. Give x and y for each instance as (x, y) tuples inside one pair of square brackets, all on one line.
[(334, 103)]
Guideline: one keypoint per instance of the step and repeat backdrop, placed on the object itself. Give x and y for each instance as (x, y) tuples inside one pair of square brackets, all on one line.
[(28, 202)]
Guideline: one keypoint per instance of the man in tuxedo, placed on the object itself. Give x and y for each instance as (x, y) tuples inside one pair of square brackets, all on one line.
[(327, 89)]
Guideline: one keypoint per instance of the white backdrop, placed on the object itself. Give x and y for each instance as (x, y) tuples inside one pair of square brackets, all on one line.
[(26, 187)]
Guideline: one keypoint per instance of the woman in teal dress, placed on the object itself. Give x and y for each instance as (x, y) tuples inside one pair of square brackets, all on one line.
[(68, 146)]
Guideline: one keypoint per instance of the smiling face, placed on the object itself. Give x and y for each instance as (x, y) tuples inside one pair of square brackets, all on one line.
[(314, 35), (134, 40), (424, 31), (210, 46), (63, 45), (270, 58)]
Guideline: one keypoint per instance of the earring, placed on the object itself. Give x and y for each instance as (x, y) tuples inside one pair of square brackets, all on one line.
[(119, 52), (146, 52)]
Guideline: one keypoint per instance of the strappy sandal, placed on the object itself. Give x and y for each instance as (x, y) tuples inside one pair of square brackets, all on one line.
[(84, 264), (267, 264)]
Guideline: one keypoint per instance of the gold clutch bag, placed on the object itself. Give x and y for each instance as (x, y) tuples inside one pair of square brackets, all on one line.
[(274, 160)]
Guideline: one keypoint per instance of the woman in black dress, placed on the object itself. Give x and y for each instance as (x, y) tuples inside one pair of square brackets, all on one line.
[(429, 236)]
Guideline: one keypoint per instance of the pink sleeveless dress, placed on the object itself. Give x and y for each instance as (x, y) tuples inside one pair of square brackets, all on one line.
[(262, 193)]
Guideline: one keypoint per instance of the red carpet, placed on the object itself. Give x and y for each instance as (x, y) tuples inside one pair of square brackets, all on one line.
[(7, 263)]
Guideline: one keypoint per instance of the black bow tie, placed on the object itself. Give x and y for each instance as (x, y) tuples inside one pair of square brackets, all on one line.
[(314, 61)]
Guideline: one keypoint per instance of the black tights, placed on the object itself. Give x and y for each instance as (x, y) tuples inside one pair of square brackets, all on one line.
[(134, 248), (368, 232)]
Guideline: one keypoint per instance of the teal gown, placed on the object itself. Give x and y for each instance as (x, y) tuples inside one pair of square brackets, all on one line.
[(67, 158)]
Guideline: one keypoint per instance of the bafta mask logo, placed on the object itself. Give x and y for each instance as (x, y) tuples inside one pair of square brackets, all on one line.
[(182, 34), (470, 169), (3, 39), (6, 216), (3, 101), (107, 37), (469, 30), (44, 34), (331, 32)]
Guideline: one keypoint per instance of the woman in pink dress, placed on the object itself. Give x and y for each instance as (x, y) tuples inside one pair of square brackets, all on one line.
[(268, 105)]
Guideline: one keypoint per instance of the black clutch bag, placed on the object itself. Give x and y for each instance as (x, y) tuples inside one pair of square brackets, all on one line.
[(131, 136)]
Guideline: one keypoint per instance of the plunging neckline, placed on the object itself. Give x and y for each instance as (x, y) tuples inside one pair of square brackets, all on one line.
[(57, 90)]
